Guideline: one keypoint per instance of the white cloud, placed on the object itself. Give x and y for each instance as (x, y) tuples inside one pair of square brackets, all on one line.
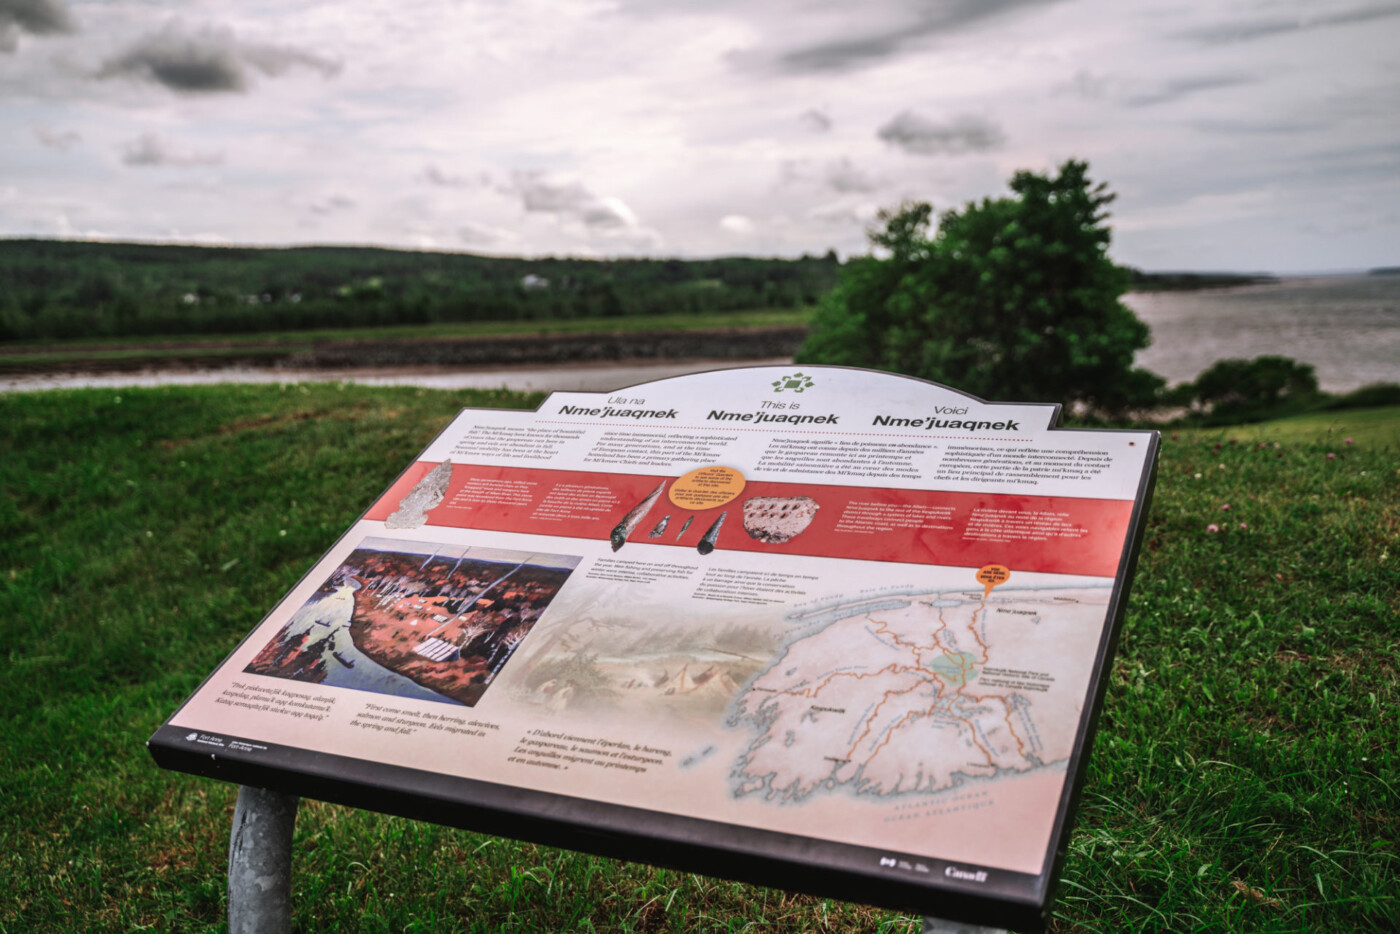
[(844, 176), (485, 235), (736, 224), (61, 140), (330, 204), (542, 193)]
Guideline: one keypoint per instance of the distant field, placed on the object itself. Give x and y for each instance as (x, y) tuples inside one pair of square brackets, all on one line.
[(1244, 777)]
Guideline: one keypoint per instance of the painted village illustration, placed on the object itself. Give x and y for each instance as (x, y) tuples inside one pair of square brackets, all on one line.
[(438, 622), (436, 626)]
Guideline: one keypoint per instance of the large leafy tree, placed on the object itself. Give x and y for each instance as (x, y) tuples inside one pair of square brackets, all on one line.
[(1012, 298)]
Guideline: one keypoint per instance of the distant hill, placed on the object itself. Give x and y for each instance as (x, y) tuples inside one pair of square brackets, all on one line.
[(1384, 271), (77, 289), (62, 289)]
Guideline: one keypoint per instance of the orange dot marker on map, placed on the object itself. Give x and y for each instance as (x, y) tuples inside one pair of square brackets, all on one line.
[(707, 488), (991, 575)]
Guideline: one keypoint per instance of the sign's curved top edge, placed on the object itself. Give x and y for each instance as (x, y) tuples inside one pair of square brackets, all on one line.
[(730, 372)]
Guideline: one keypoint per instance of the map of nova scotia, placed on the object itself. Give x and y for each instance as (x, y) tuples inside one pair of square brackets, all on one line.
[(916, 694)]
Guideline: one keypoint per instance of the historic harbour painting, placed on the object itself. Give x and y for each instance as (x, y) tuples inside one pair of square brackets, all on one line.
[(410, 619)]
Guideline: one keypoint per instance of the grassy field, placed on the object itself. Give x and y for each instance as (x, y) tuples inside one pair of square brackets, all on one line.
[(1244, 778)]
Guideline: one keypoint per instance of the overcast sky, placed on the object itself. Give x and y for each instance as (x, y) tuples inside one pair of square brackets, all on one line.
[(1238, 134)]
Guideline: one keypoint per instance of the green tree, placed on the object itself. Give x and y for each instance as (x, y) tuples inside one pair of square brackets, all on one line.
[(1012, 298)]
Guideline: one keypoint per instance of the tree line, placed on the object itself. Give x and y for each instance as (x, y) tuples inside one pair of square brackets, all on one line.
[(53, 289)]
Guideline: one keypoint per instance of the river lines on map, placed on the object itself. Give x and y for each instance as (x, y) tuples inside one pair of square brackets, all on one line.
[(915, 693)]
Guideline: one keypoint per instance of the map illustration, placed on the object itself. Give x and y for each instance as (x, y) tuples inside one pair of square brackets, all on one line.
[(918, 693)]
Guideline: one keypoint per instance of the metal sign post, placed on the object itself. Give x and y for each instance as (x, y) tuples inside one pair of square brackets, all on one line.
[(260, 862)]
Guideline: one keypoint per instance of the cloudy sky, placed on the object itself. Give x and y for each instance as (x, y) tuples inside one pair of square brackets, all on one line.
[(1238, 134)]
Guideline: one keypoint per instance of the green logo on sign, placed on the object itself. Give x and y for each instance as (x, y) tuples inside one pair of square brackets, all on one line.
[(796, 382)]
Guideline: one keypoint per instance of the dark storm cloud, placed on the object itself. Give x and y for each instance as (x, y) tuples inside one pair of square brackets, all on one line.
[(918, 134), (210, 60), (148, 149), (1185, 87), (1245, 30), (541, 195), (36, 17), (867, 48)]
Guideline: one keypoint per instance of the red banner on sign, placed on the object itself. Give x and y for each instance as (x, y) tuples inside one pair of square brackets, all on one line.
[(1059, 535)]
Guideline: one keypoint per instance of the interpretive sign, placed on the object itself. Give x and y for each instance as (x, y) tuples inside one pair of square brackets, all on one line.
[(826, 629)]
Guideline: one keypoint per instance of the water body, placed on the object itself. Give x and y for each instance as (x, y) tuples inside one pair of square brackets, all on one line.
[(1347, 327), (331, 615)]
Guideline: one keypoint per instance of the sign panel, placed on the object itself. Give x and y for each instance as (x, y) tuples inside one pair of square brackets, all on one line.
[(821, 628)]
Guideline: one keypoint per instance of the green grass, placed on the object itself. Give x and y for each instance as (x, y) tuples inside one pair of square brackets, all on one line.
[(1244, 778), (1377, 427)]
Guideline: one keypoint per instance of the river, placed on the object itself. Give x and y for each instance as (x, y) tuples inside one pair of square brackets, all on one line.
[(328, 617), (1347, 327)]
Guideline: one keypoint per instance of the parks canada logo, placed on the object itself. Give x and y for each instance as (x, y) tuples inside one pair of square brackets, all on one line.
[(796, 382)]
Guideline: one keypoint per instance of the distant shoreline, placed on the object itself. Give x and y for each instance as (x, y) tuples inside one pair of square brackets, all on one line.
[(1194, 281), (729, 344)]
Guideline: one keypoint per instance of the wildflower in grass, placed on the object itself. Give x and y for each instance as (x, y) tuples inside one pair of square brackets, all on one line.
[(1347, 441), (1198, 476), (1222, 466), (1331, 456), (1244, 525), (1212, 528), (1224, 507)]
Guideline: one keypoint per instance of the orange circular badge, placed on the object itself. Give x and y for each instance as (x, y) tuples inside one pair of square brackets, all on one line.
[(707, 488)]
